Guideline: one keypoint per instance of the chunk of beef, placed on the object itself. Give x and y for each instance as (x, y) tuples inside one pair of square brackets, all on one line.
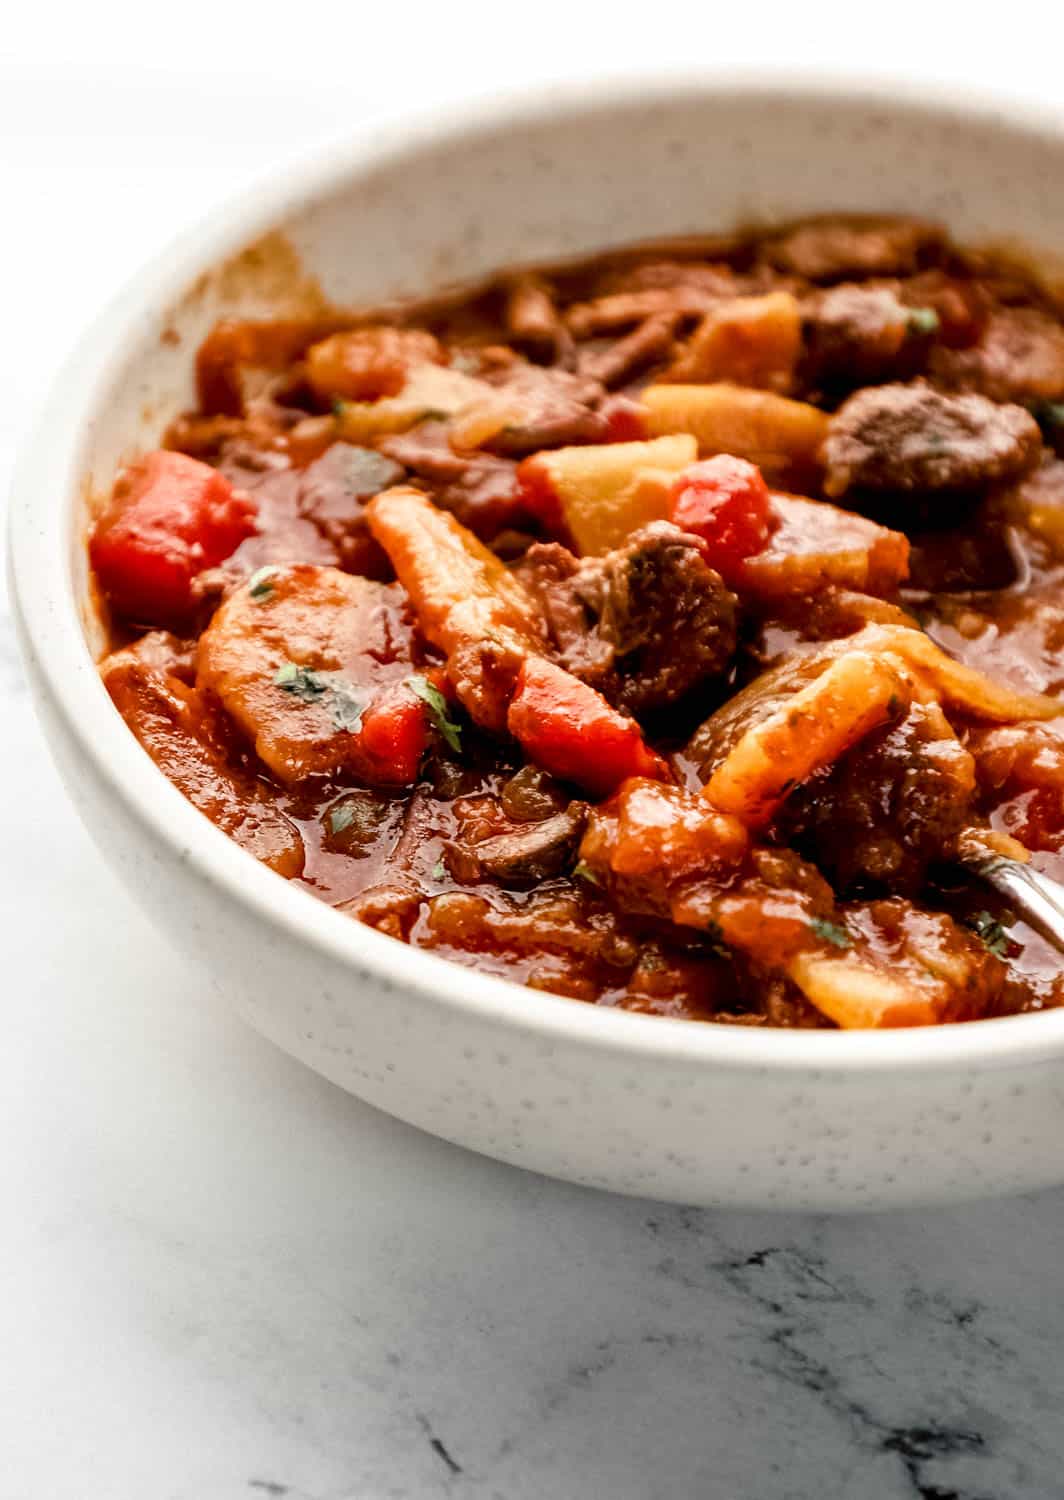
[(643, 624), (854, 334), (1020, 357), (479, 488), (905, 438), (571, 944), (333, 491), (834, 249), (535, 852), (532, 318), (651, 340), (545, 408), (890, 808)]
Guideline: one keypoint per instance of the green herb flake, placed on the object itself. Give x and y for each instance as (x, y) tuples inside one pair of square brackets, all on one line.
[(338, 406), (583, 871), (262, 583), (437, 705), (439, 870), (347, 705), (301, 682), (991, 933), (341, 817), (831, 932), (923, 320)]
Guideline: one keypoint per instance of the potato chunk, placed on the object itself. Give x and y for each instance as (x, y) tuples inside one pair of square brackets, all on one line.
[(802, 715), (601, 494), (781, 436), (297, 658), (428, 390), (811, 729), (754, 341), (365, 364), (816, 545), (184, 733)]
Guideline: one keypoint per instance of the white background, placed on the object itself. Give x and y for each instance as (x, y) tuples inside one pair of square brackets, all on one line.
[(219, 1277)]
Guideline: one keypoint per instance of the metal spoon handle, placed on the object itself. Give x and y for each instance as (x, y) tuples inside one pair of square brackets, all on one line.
[(1037, 898)]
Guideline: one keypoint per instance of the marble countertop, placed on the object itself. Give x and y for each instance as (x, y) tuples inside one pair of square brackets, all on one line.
[(225, 1280)]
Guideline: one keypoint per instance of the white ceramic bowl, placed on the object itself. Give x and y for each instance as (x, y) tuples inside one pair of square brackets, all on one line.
[(670, 1109)]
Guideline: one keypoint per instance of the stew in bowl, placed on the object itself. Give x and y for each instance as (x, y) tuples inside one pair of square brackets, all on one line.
[(661, 630)]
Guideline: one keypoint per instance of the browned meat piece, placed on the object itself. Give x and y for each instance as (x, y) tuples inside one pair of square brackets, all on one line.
[(479, 488), (643, 624), (855, 334), (890, 808), (1020, 357), (531, 794), (834, 249), (332, 495), (532, 318), (571, 944), (959, 304), (905, 438), (536, 852), (652, 340), (546, 408), (622, 309)]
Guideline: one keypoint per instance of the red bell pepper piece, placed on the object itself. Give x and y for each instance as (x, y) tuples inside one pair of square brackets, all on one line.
[(724, 502), (570, 730), (171, 517)]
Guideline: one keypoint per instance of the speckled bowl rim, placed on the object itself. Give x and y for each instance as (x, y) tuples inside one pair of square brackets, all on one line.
[(51, 469)]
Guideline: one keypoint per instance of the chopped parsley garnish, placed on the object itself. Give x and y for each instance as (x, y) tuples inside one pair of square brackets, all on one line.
[(341, 817), (262, 583), (347, 705), (301, 682), (831, 932), (437, 704), (439, 870), (991, 933), (583, 871), (923, 320), (338, 406), (309, 686)]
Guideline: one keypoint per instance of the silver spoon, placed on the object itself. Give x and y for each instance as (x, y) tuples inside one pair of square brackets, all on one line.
[(1037, 898)]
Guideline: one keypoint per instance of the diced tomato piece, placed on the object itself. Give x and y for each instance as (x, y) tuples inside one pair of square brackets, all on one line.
[(724, 502), (570, 730), (393, 735), (171, 517)]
